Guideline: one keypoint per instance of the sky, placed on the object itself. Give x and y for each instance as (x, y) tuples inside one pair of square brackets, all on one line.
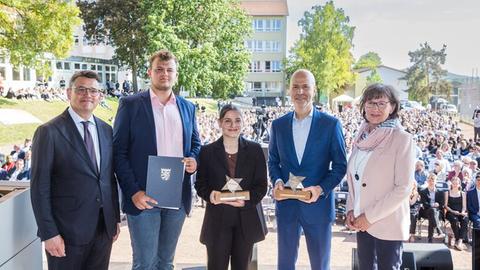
[(392, 28)]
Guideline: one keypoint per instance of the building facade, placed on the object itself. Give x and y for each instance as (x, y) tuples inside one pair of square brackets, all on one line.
[(83, 56), (265, 80)]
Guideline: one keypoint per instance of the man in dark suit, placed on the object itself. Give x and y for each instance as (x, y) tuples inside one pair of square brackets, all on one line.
[(473, 205), (432, 203), (306, 143), (73, 188), (154, 122), (18, 173)]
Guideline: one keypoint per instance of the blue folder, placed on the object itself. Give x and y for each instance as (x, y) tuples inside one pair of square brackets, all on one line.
[(164, 181)]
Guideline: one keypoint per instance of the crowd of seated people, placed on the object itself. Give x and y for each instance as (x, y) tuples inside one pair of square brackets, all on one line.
[(17, 164)]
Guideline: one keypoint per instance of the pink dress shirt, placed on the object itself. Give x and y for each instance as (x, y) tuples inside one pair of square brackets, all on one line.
[(168, 126)]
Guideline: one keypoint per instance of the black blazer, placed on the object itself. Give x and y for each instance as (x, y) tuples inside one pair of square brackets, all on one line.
[(211, 173), (425, 198), (66, 190)]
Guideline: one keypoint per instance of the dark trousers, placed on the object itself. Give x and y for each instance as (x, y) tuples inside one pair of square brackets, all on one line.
[(229, 245), (374, 253), (433, 216), (475, 220), (476, 132), (413, 223), (94, 255), (459, 225)]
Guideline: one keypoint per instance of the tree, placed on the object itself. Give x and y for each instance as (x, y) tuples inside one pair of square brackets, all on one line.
[(123, 26), (207, 36), (30, 30), (426, 77), (324, 48), (370, 60)]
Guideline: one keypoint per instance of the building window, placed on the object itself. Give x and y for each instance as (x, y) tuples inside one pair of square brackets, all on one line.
[(76, 66), (99, 68), (267, 66), (258, 46), (107, 76), (276, 66), (256, 66), (268, 46), (2, 59), (275, 46), (113, 68), (15, 74), (113, 77), (85, 41), (26, 74), (107, 68), (268, 25), (66, 65), (272, 86), (93, 67), (250, 67), (59, 65), (2, 72), (84, 66), (76, 40), (259, 26), (257, 86), (249, 45), (277, 25), (100, 75)]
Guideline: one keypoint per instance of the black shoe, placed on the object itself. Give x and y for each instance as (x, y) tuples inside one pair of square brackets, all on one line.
[(430, 240)]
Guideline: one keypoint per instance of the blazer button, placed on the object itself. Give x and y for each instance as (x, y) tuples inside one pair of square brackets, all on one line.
[(98, 199), (364, 185)]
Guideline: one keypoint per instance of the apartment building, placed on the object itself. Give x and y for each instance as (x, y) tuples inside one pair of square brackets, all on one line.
[(265, 80)]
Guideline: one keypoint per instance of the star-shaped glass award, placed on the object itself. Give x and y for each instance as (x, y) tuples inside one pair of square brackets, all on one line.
[(232, 190), (293, 189)]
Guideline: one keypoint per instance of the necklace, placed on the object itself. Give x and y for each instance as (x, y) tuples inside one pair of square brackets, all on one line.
[(357, 165)]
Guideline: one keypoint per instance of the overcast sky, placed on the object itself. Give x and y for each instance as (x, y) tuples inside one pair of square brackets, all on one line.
[(393, 27)]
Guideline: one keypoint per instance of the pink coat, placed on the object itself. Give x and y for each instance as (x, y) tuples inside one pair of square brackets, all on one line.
[(386, 185)]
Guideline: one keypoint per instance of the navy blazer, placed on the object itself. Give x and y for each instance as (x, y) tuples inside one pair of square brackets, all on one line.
[(472, 202), (67, 191), (134, 139), (325, 145)]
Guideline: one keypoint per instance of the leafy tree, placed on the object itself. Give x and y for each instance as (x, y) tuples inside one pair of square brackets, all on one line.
[(32, 30), (207, 36), (324, 48), (123, 26), (370, 60), (426, 77)]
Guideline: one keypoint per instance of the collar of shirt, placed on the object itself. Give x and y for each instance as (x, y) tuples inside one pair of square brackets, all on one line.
[(78, 119), (309, 116), (156, 101)]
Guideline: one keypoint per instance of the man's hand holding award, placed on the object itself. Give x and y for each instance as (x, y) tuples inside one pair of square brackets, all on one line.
[(293, 189)]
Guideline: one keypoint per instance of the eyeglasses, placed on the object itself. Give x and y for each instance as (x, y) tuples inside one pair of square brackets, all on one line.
[(381, 105), (83, 90)]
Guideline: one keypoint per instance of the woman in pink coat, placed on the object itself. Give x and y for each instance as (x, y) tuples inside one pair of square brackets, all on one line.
[(380, 177)]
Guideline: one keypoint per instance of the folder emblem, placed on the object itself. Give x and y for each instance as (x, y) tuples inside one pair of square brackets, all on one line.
[(165, 174)]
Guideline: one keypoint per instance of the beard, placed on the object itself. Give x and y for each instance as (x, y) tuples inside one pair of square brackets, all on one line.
[(161, 86)]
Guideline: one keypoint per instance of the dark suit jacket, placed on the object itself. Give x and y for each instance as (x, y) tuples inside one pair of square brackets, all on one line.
[(134, 139), (67, 192), (325, 146), (211, 176), (425, 199), (472, 202)]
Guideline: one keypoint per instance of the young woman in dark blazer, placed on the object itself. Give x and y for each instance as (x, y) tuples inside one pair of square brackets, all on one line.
[(231, 228)]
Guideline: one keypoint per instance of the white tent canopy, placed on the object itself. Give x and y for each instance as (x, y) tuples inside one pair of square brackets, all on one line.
[(343, 98)]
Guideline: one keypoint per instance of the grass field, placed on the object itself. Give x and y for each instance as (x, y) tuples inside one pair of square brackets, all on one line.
[(16, 134)]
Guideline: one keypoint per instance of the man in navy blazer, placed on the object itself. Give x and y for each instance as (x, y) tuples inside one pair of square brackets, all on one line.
[(73, 189), (310, 144), (473, 205), (155, 122)]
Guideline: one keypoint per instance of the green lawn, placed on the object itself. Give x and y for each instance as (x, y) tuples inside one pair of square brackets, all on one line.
[(16, 134)]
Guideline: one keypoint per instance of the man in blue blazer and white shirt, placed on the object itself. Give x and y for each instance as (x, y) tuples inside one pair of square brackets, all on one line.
[(473, 205), (155, 122), (310, 144)]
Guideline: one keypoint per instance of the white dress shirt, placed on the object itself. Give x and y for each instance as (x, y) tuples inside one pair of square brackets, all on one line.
[(92, 127)]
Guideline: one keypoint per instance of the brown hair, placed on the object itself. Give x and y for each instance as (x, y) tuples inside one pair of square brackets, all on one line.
[(378, 90), (163, 55), (227, 108), (83, 74)]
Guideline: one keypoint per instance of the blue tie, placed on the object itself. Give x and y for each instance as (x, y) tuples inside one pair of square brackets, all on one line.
[(87, 139)]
